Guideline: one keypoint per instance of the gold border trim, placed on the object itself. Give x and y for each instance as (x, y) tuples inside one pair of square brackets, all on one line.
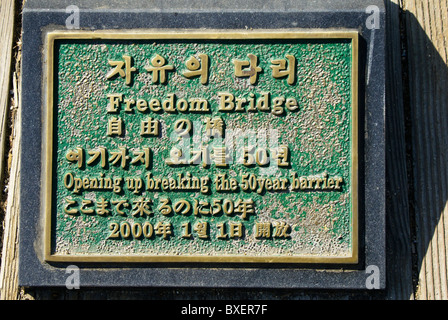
[(198, 35)]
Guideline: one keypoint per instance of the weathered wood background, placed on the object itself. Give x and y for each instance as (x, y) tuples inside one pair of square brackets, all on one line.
[(417, 166)]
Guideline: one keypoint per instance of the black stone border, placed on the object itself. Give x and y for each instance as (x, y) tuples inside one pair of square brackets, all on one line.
[(39, 20)]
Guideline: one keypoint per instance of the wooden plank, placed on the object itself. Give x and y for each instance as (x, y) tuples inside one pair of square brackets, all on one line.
[(6, 40), (427, 33), (9, 266), (399, 256)]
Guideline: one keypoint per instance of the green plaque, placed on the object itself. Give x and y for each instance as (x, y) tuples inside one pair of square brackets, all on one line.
[(197, 146)]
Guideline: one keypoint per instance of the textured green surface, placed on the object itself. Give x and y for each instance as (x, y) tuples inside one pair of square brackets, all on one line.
[(318, 135)]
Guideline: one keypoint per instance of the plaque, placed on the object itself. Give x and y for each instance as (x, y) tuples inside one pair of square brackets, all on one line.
[(209, 146), (240, 146)]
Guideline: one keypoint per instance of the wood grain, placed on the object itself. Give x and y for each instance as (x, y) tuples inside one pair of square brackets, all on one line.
[(8, 271), (9, 289), (427, 32), (6, 41), (399, 255)]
